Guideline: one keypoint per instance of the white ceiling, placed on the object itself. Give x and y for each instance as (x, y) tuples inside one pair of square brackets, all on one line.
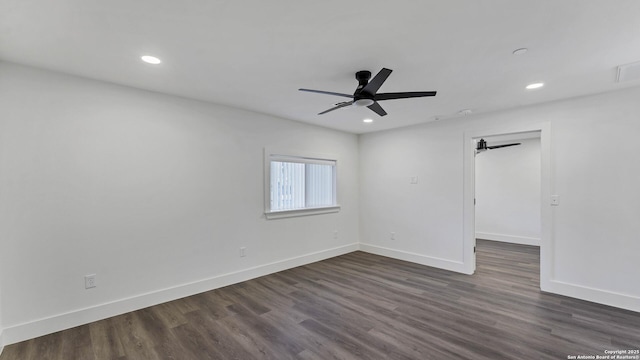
[(255, 54)]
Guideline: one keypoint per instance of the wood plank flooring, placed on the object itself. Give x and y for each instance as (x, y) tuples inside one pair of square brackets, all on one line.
[(360, 306)]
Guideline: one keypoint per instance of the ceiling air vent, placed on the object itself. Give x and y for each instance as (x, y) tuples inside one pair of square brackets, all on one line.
[(628, 72)]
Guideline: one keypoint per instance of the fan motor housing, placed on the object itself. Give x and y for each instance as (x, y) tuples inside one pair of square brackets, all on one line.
[(363, 77)]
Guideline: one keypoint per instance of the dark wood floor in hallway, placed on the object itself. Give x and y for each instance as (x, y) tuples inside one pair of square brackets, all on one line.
[(360, 306)]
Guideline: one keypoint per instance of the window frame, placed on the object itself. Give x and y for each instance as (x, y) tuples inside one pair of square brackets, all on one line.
[(300, 157)]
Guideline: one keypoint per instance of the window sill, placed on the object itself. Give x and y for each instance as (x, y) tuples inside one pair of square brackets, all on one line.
[(301, 212)]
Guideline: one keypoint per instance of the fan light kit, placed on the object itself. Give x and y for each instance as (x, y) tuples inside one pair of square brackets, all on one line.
[(363, 102), (150, 59), (520, 51), (534, 86), (366, 93)]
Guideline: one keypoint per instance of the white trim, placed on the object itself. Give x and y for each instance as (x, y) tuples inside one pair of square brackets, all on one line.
[(514, 239), (36, 328), (600, 296), (1, 340), (301, 159), (547, 187), (468, 204), (440, 263), (301, 212)]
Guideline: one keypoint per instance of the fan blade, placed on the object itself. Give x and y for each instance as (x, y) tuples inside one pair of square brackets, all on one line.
[(327, 93), (377, 109), (377, 81), (501, 146), (403, 95), (338, 106)]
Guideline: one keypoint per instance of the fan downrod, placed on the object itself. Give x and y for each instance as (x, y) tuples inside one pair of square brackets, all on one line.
[(363, 77)]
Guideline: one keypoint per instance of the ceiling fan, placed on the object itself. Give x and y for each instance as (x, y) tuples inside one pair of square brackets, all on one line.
[(366, 92), (482, 146)]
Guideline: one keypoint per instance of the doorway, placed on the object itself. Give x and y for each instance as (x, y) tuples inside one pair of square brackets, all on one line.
[(509, 135), (507, 204), (507, 189)]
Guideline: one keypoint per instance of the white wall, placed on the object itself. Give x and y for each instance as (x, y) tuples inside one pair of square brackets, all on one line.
[(508, 193), (1, 326), (2, 271), (124, 183), (594, 168), (425, 216), (153, 193)]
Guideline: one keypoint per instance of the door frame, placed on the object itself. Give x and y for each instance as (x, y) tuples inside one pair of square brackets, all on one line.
[(546, 219)]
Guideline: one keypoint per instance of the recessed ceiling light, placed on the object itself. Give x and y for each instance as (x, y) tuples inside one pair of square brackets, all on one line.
[(367, 120), (534, 86), (520, 51), (150, 59)]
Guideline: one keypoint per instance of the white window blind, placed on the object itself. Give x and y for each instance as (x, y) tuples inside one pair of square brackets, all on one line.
[(301, 183)]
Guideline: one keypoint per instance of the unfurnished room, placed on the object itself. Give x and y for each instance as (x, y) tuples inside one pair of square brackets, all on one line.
[(319, 180)]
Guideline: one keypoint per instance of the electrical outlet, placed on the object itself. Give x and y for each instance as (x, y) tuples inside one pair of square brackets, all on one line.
[(335, 234), (393, 235), (90, 281), (243, 251)]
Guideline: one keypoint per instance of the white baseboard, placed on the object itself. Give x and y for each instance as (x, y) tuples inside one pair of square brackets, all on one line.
[(32, 329), (40, 327), (623, 301), (514, 239), (445, 264)]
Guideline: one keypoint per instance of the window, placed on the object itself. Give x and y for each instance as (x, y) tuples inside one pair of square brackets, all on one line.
[(300, 185)]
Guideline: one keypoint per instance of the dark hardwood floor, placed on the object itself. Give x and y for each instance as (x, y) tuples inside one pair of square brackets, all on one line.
[(360, 306)]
